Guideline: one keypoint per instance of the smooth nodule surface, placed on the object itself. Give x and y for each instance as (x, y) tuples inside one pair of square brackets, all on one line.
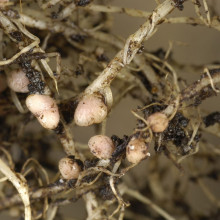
[(101, 146), (45, 109), (90, 110), (18, 81), (158, 122)]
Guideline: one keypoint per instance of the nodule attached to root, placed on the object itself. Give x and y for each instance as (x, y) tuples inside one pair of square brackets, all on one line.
[(136, 150), (101, 146), (90, 110), (158, 122), (45, 109), (18, 81), (69, 168)]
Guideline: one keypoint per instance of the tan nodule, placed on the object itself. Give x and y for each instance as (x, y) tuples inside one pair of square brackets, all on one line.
[(158, 122), (136, 150)]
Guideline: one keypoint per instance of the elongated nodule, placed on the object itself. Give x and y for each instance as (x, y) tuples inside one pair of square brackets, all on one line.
[(101, 146), (69, 168), (90, 110), (18, 81), (45, 109), (136, 150)]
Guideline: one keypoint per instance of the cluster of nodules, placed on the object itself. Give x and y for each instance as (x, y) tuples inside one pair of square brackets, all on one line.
[(102, 147), (91, 109), (41, 105)]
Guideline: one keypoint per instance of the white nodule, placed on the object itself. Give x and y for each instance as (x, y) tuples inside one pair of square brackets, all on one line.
[(90, 110), (45, 109), (18, 81), (69, 168), (101, 146)]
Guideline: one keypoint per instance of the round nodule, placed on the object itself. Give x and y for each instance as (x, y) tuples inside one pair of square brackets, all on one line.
[(90, 110), (136, 150), (158, 122), (18, 81), (101, 146), (69, 168)]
